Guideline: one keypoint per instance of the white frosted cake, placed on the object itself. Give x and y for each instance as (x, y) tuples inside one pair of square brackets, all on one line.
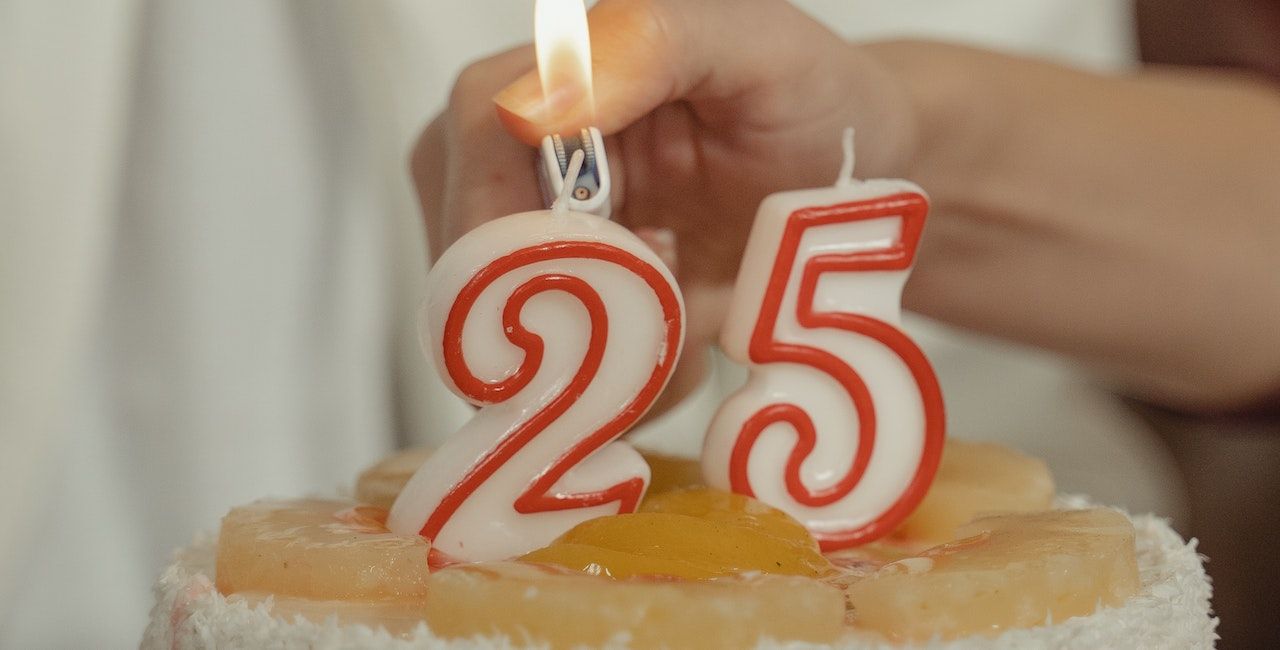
[(997, 583)]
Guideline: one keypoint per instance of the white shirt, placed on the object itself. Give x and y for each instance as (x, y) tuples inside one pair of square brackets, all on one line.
[(210, 260)]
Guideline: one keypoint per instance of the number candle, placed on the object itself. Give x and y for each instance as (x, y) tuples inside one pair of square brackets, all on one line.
[(841, 422), (563, 327)]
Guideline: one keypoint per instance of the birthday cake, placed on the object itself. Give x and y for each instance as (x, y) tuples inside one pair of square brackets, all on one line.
[(697, 567), (826, 508)]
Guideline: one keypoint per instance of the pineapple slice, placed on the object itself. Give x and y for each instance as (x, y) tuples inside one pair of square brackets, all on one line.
[(1015, 570), (858, 562), (693, 534), (973, 479), (319, 549), (567, 609), (381, 484)]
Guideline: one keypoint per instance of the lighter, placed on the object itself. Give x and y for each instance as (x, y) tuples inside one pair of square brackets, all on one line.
[(591, 191)]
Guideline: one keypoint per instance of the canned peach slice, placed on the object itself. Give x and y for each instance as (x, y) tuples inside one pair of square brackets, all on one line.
[(692, 534)]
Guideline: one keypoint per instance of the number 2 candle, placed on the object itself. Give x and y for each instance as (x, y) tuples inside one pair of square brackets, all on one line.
[(841, 422), (563, 327)]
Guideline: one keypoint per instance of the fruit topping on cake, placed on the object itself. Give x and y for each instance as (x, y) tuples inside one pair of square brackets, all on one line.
[(692, 534), (567, 608), (319, 549), (1006, 571), (667, 473), (976, 478), (381, 484), (698, 567)]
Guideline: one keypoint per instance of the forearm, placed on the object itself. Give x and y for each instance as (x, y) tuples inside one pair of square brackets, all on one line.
[(1165, 183), (993, 123)]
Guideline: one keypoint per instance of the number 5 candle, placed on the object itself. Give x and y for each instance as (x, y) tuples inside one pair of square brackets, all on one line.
[(563, 327), (841, 422)]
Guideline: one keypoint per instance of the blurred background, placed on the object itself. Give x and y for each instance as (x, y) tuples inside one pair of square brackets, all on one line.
[(211, 258)]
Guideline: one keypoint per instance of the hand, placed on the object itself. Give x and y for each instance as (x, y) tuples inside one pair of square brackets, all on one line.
[(1126, 221), (703, 121)]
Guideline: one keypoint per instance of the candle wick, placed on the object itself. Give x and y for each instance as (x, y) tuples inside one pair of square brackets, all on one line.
[(561, 204), (846, 168)]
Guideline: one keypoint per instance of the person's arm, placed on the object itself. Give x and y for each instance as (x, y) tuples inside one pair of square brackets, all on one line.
[(1131, 221)]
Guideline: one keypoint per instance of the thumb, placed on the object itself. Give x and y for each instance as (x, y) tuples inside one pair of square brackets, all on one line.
[(647, 53)]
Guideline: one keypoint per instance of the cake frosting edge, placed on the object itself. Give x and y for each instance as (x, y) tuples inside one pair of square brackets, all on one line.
[(1171, 610)]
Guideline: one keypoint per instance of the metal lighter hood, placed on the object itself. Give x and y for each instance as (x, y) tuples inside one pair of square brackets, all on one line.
[(591, 191)]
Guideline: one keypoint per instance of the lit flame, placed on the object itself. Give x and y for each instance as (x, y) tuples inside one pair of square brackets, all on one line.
[(564, 47)]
